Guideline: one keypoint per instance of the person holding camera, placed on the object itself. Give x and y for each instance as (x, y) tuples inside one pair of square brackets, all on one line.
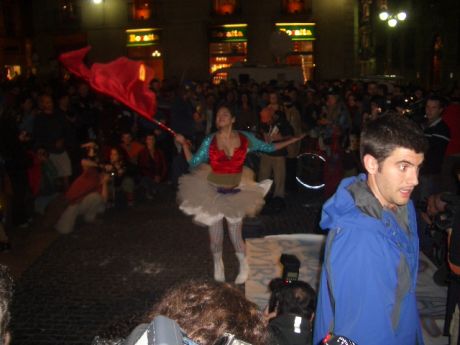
[(369, 273), (290, 312), (225, 189)]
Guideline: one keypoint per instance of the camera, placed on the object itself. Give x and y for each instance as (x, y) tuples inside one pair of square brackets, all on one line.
[(291, 265)]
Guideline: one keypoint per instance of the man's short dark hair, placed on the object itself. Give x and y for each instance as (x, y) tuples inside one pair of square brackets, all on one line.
[(437, 98), (383, 135)]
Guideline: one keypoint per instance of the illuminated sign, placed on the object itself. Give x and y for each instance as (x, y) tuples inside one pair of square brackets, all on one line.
[(229, 33), (142, 37), (299, 31)]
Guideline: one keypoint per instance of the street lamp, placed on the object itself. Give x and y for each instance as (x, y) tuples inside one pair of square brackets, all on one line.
[(390, 18)]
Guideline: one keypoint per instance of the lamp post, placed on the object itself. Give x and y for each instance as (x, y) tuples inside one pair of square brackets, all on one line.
[(392, 19)]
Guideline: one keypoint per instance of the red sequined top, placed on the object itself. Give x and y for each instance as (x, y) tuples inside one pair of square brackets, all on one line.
[(221, 163)]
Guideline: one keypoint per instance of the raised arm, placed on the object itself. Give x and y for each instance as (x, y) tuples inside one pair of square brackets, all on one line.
[(282, 144)]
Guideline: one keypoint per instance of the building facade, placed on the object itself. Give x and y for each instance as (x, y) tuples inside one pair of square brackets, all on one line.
[(190, 39)]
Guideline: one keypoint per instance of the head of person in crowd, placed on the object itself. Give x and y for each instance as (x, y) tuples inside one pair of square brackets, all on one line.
[(433, 108), (46, 104), (64, 101), (206, 310), (372, 89), (83, 90), (91, 150), (266, 115), (26, 104), (126, 138), (332, 97), (290, 312), (117, 155), (392, 149), (150, 141), (382, 90), (435, 205), (378, 105), (273, 99), (297, 298), (6, 295)]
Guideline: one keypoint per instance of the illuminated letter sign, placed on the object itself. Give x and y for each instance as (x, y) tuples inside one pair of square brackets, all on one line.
[(229, 33), (298, 31), (142, 37)]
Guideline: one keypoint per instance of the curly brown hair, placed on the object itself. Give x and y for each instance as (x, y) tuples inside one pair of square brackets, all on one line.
[(207, 309)]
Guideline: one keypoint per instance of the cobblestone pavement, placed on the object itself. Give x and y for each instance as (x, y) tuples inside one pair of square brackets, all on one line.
[(100, 279)]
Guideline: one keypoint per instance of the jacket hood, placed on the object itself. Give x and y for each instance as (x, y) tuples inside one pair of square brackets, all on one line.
[(353, 192)]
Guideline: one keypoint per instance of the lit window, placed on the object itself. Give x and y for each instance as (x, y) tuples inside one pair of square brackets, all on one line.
[(225, 7), (141, 9), (294, 6)]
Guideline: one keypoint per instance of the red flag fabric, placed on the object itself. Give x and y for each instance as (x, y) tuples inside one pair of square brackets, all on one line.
[(123, 79), (73, 61)]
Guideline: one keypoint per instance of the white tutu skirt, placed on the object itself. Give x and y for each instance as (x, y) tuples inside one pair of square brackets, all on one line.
[(200, 199)]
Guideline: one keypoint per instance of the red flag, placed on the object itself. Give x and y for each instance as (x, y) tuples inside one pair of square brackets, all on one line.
[(123, 79), (73, 61)]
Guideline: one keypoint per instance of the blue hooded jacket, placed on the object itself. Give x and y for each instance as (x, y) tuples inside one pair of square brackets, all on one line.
[(369, 275)]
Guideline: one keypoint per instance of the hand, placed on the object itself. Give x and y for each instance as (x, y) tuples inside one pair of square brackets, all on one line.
[(180, 139)]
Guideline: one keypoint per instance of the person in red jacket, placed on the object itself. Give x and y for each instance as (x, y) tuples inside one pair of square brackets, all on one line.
[(152, 166), (451, 117)]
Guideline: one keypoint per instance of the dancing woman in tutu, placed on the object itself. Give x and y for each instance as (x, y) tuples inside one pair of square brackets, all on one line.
[(224, 188)]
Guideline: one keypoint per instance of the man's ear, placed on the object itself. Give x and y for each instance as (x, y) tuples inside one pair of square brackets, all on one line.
[(370, 164)]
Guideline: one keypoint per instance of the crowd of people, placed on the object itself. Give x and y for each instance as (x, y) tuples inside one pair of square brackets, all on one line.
[(67, 152)]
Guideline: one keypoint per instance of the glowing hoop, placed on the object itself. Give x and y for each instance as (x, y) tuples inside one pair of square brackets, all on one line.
[(310, 170)]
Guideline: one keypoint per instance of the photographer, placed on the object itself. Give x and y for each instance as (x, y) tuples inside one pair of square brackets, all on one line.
[(208, 313), (290, 312), (88, 194), (122, 173)]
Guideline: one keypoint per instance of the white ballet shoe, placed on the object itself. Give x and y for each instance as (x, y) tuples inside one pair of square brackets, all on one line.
[(244, 269)]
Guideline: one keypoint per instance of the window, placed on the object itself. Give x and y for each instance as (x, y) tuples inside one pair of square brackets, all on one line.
[(67, 11), (141, 9), (294, 6), (226, 7)]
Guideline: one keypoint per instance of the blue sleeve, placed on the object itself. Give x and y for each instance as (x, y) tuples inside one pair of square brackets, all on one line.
[(258, 145), (202, 155)]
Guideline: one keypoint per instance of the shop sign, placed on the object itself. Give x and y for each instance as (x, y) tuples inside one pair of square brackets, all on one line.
[(299, 31), (142, 37), (229, 33)]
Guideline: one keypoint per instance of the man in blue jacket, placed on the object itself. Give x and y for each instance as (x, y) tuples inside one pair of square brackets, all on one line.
[(369, 275)]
